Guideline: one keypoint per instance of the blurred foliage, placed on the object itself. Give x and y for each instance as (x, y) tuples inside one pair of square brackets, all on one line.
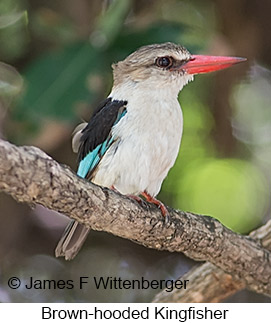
[(252, 118), (11, 82), (53, 27), (63, 82), (63, 52), (110, 23), (239, 191), (13, 29)]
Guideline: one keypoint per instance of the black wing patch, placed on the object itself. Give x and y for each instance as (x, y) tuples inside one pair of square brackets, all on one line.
[(99, 127)]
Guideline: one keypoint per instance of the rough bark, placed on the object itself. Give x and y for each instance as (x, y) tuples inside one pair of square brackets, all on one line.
[(30, 176), (207, 283)]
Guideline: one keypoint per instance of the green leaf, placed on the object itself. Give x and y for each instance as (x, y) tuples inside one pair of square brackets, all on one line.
[(13, 18), (110, 23), (11, 81), (57, 81)]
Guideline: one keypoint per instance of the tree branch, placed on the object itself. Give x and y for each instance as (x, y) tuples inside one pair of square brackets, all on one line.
[(30, 176), (208, 283)]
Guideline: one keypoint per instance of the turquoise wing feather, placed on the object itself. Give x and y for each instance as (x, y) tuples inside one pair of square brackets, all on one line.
[(92, 159)]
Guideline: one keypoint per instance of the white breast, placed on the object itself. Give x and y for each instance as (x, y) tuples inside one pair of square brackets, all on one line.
[(149, 137)]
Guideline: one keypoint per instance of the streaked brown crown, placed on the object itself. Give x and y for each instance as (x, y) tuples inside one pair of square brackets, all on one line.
[(142, 63)]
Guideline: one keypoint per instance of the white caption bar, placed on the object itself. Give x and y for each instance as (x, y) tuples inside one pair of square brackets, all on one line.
[(143, 312)]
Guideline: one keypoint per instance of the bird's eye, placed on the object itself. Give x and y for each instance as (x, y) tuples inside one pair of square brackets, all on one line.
[(164, 62)]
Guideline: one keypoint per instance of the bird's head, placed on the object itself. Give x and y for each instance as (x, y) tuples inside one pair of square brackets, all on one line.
[(166, 66)]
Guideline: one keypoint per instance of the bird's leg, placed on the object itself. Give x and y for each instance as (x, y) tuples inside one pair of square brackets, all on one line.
[(136, 198), (113, 188), (162, 207), (132, 196), (153, 200)]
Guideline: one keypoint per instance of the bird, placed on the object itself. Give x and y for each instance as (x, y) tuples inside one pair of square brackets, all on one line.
[(133, 137)]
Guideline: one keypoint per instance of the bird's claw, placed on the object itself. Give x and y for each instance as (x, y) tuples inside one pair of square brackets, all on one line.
[(139, 200), (152, 200), (164, 212), (167, 218), (161, 206)]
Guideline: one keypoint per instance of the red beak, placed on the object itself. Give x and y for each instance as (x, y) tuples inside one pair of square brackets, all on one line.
[(205, 64)]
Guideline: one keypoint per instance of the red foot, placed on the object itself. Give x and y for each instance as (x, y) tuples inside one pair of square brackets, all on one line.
[(150, 199), (153, 200), (136, 198)]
